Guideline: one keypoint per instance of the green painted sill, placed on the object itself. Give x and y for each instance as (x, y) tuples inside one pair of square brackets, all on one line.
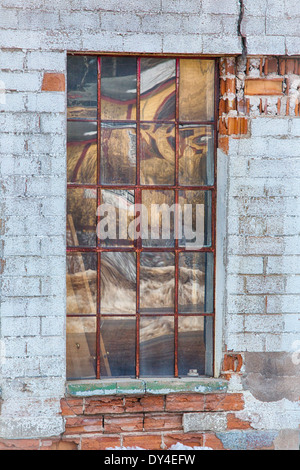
[(82, 388)]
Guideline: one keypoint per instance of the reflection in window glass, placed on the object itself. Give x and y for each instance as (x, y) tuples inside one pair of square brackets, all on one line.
[(82, 152), (157, 89), (196, 155), (196, 218), (82, 87), (81, 348), (118, 283), (118, 88), (195, 290), (157, 154), (191, 345), (157, 280), (118, 154), (117, 347), (81, 216), (196, 91), (157, 347), (81, 283), (159, 207), (113, 227)]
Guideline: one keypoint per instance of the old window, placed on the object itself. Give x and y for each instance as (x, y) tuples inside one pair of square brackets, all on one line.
[(140, 216)]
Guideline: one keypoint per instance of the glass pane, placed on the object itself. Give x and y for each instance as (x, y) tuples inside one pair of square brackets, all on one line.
[(157, 283), (118, 154), (158, 89), (82, 87), (196, 90), (157, 154), (196, 155), (118, 283), (118, 88), (157, 347), (81, 217), (82, 152), (81, 348), (117, 347), (116, 214), (196, 218), (191, 345), (195, 288), (158, 208), (81, 283)]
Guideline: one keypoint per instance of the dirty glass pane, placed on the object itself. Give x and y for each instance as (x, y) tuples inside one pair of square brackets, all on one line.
[(82, 152), (82, 87), (157, 347), (118, 88), (81, 348), (195, 288), (157, 283), (191, 346), (116, 214), (196, 155), (158, 89), (117, 347), (196, 218), (159, 211), (81, 217), (81, 283), (118, 283), (118, 154), (196, 90), (157, 153)]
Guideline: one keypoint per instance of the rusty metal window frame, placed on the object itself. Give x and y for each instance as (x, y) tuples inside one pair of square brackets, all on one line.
[(138, 248)]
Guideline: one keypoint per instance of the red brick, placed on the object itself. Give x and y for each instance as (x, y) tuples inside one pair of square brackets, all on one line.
[(223, 144), (71, 406), (164, 421), (22, 444), (54, 82), (185, 402), (188, 439), (116, 424), (271, 65), (144, 404), (100, 442), (210, 440), (232, 362), (263, 86), (145, 441), (61, 445), (235, 423), (224, 402), (82, 425), (103, 405)]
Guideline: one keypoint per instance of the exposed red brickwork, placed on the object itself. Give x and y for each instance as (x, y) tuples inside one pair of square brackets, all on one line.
[(264, 86), (235, 423), (232, 362), (54, 82)]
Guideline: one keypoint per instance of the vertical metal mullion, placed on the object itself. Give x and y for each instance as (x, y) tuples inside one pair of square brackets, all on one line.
[(176, 221), (138, 201), (98, 334)]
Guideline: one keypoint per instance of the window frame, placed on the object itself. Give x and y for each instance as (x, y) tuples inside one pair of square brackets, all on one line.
[(176, 187)]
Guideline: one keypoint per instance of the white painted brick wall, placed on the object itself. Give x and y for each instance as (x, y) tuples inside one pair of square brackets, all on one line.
[(263, 240), (263, 233)]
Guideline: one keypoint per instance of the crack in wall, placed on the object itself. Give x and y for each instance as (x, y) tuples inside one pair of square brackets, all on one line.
[(239, 28)]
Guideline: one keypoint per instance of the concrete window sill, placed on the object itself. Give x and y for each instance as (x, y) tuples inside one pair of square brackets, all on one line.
[(88, 388)]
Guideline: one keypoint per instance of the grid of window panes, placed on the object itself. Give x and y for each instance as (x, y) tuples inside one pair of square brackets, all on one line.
[(141, 134)]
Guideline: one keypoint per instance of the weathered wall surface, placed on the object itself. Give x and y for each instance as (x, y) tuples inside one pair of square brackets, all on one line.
[(259, 141)]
